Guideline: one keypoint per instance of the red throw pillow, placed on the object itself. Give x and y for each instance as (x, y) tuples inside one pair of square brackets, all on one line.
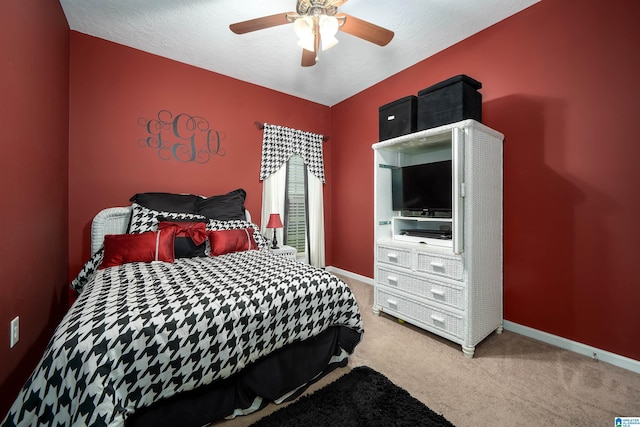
[(142, 247), (190, 237), (227, 241)]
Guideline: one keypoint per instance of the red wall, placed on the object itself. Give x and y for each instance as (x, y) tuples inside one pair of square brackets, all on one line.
[(34, 113), (112, 86), (559, 82)]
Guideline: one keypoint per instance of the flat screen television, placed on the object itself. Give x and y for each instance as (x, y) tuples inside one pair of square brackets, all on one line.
[(425, 187)]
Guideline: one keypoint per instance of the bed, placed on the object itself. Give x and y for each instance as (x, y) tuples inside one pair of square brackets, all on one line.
[(190, 340)]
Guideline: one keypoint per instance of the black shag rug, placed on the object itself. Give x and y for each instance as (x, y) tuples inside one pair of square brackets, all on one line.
[(363, 397)]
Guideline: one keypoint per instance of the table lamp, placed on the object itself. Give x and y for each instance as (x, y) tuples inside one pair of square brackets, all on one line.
[(274, 222)]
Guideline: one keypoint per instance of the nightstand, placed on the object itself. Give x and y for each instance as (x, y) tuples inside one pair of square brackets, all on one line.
[(285, 251)]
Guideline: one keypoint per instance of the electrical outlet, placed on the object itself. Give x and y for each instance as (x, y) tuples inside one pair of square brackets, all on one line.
[(15, 331)]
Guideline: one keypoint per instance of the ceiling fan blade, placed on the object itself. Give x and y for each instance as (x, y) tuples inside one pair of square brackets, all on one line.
[(366, 30), (308, 58), (260, 23)]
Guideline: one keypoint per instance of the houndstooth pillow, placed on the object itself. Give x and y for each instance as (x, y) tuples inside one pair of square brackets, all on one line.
[(215, 225), (145, 219)]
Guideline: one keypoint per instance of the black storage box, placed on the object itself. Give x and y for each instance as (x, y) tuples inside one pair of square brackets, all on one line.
[(398, 117), (449, 101)]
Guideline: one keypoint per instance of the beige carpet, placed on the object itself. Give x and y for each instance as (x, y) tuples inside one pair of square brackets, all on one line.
[(511, 381)]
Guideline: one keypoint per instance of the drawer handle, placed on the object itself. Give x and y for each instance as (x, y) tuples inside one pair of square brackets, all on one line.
[(437, 318), (437, 292), (437, 264), (392, 304), (392, 256), (392, 280)]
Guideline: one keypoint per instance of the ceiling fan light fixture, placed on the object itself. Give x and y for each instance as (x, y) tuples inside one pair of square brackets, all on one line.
[(328, 42), (306, 44), (303, 27), (328, 29), (329, 25)]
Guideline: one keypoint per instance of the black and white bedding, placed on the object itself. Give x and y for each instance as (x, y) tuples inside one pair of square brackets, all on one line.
[(141, 332)]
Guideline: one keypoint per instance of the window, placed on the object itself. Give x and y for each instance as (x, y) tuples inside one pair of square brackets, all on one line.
[(295, 232)]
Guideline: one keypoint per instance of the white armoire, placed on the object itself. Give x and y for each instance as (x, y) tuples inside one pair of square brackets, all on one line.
[(450, 286)]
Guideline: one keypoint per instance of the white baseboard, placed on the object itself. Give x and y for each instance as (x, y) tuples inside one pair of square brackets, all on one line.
[(364, 279), (576, 347)]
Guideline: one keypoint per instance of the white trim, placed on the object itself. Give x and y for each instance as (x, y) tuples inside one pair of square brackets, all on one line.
[(246, 231), (157, 243), (576, 347), (365, 279)]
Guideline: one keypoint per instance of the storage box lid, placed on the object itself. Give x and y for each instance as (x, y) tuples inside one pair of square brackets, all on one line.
[(461, 78), (410, 98)]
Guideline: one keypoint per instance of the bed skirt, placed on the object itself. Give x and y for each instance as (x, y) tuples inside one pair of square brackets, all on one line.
[(278, 377)]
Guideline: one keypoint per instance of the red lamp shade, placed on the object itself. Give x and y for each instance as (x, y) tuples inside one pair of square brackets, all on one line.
[(274, 221)]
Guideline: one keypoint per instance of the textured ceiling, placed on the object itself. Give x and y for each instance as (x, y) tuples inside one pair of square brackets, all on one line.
[(196, 32)]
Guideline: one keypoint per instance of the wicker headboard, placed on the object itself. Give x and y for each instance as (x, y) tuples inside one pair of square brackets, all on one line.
[(115, 221), (108, 221)]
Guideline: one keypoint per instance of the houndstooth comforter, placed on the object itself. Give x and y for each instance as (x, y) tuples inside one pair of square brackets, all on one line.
[(144, 331)]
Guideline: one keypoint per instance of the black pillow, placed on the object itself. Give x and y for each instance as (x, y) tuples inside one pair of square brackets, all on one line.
[(226, 207), (185, 248), (167, 202)]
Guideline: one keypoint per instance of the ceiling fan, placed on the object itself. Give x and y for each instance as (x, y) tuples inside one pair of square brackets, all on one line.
[(316, 23)]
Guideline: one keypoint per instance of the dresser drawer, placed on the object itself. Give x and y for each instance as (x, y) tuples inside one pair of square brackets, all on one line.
[(440, 319), (395, 256), (434, 290), (447, 266)]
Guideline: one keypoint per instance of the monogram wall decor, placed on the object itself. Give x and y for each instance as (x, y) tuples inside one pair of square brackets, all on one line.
[(182, 137)]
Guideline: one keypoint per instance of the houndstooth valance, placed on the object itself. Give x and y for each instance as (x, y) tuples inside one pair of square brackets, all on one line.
[(279, 143)]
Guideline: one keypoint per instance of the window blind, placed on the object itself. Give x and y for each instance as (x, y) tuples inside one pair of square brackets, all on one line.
[(295, 205)]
